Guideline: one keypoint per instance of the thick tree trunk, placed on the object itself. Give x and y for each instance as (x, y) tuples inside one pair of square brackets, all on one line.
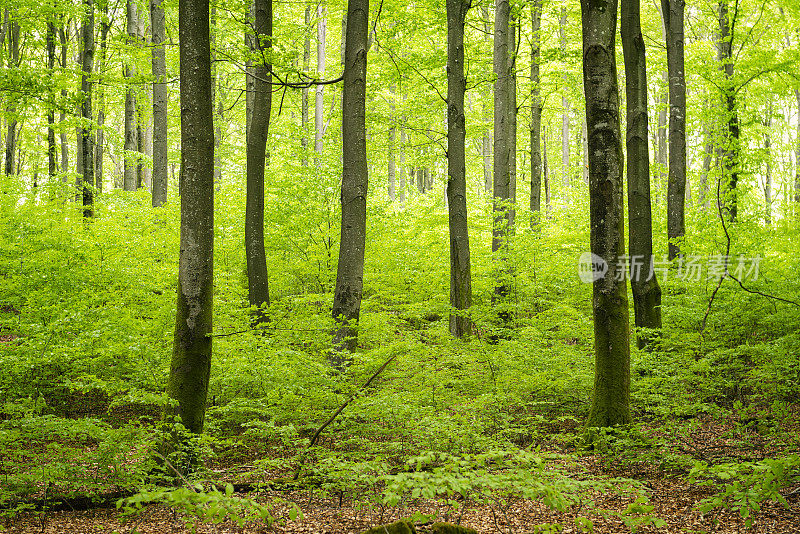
[(160, 102), (130, 181), (565, 107), (52, 164), (190, 368), (305, 91), (87, 137), (729, 151), (673, 14), (502, 209), (460, 276), (536, 113), (486, 140), (319, 100), (350, 271), (646, 291), (512, 113), (249, 79), (257, 279), (610, 402)]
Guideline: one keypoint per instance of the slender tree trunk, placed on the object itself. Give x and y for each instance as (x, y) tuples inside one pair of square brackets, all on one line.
[(645, 289), (797, 151), (190, 368), (502, 209), (729, 152), (87, 137), (249, 42), (565, 106), (158, 30), (350, 271), (50, 39), (460, 276), (392, 179), (105, 26), (62, 34), (486, 140), (536, 113), (611, 399), (304, 101), (512, 113), (402, 167), (130, 181), (257, 279), (545, 174), (768, 173), (11, 135), (673, 14), (319, 101)]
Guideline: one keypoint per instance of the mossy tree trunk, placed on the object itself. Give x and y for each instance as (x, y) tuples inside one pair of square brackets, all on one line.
[(646, 291), (190, 368), (460, 274), (610, 402)]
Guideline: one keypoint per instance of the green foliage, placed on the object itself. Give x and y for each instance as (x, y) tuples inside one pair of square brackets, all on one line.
[(746, 486)]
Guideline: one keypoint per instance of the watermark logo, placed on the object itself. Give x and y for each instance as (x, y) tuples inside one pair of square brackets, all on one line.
[(591, 267)]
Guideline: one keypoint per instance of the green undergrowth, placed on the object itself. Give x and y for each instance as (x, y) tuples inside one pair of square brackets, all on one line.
[(86, 319)]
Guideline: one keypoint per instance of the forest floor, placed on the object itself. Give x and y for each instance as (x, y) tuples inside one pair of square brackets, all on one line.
[(674, 503)]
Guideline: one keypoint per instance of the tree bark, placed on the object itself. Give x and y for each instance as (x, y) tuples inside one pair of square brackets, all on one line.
[(610, 402), (797, 152), (502, 209), (392, 179), (50, 39), (319, 100), (105, 26), (304, 98), (130, 181), (160, 102), (729, 151), (536, 113), (545, 173), (249, 79), (565, 107), (768, 171), (350, 270), (11, 135), (62, 35), (87, 137), (258, 283), (486, 140), (403, 171), (646, 291), (190, 368), (460, 275), (673, 14)]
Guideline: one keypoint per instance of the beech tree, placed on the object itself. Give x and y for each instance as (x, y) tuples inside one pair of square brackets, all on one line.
[(536, 112), (130, 180), (673, 15), (160, 96), (610, 402), (258, 284), (350, 270), (87, 137), (460, 274), (645, 289), (190, 368)]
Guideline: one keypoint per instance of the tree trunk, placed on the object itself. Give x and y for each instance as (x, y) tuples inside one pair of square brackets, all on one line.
[(319, 101), (460, 277), (502, 209), (350, 271), (565, 106), (249, 79), (392, 179), (160, 102), (62, 34), (402, 167), (11, 136), (486, 140), (105, 26), (797, 152), (536, 113), (646, 291), (610, 402), (304, 101), (545, 174), (50, 39), (729, 151), (190, 368), (130, 182), (257, 279), (87, 137), (672, 12), (768, 173)]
